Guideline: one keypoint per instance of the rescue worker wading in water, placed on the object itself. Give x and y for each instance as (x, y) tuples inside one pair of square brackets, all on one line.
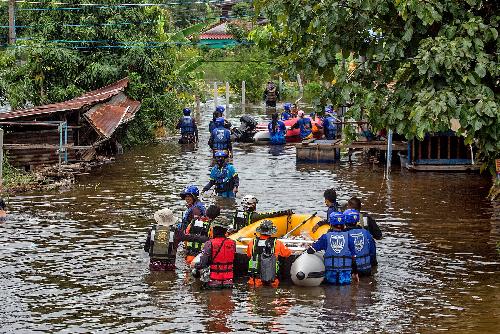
[(200, 227), (189, 130), (224, 176), (249, 215), (218, 254), (264, 253), (195, 208), (160, 243)]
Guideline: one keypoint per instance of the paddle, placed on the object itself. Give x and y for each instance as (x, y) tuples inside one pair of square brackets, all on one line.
[(296, 227)]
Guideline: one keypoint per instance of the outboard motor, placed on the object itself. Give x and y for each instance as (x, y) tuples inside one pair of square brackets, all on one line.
[(247, 129)]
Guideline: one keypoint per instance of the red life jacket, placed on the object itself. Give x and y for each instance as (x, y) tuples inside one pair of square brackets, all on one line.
[(221, 267)]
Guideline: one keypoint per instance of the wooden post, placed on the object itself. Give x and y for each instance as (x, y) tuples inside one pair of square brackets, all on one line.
[(12, 21), (449, 147), (458, 148), (216, 94), (243, 94), (429, 148), (439, 148), (299, 81), (227, 96), (1, 157)]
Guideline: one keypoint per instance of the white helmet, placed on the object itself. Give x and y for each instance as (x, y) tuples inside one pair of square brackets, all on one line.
[(249, 201), (300, 113)]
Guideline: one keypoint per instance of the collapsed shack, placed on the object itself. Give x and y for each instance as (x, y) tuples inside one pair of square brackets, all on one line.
[(70, 136)]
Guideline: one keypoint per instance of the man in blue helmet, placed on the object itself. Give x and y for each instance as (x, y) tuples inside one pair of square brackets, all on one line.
[(364, 245), (219, 112), (305, 126), (224, 176), (340, 262), (195, 208), (330, 124), (286, 114), (220, 139), (277, 131), (189, 130)]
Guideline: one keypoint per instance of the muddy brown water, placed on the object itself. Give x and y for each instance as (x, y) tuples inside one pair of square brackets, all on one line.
[(72, 260)]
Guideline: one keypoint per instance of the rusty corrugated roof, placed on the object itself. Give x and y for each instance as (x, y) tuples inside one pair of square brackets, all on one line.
[(87, 99), (106, 118)]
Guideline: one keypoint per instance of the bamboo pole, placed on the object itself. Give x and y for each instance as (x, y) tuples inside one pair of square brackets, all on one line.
[(243, 91), (216, 94), (12, 21), (227, 96)]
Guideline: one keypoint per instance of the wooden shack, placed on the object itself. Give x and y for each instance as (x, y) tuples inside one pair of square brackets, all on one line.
[(69, 131), (439, 152)]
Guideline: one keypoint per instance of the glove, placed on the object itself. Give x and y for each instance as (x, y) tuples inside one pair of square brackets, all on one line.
[(311, 250)]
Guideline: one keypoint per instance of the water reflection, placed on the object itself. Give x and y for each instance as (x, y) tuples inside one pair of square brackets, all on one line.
[(72, 260)]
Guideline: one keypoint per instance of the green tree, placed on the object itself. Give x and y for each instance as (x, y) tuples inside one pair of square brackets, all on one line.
[(62, 53), (413, 66)]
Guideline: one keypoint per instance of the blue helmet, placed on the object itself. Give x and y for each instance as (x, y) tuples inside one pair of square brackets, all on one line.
[(328, 110), (220, 109), (287, 106), (219, 154), (219, 121), (190, 190), (186, 111), (351, 216), (336, 218)]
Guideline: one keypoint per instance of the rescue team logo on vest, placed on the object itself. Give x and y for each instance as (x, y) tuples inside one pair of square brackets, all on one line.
[(359, 241), (337, 242), (162, 236), (220, 134)]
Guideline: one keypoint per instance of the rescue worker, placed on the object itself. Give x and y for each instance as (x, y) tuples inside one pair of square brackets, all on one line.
[(220, 138), (3, 212), (195, 208), (277, 130), (286, 114), (249, 215), (339, 250), (330, 124), (331, 202), (364, 245), (200, 227), (219, 112), (264, 253), (365, 220), (218, 254), (189, 130), (305, 126), (295, 110), (224, 176), (160, 243), (271, 95)]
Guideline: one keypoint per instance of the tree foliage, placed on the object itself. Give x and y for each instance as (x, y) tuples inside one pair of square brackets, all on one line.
[(62, 53), (410, 65)]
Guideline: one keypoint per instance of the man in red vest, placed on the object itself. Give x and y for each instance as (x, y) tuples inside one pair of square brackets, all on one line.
[(218, 254)]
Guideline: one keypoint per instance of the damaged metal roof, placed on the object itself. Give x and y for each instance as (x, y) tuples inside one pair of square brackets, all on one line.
[(106, 118), (87, 99)]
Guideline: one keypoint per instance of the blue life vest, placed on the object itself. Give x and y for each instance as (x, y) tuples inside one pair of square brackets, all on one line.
[(285, 115), (187, 126), (223, 177), (331, 209), (338, 256), (188, 214), (221, 138), (362, 240), (305, 126), (277, 132), (330, 127)]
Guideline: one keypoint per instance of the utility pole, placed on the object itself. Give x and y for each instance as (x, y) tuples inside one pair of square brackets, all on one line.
[(12, 21)]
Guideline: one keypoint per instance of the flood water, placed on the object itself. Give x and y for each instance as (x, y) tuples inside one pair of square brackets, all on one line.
[(72, 260)]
